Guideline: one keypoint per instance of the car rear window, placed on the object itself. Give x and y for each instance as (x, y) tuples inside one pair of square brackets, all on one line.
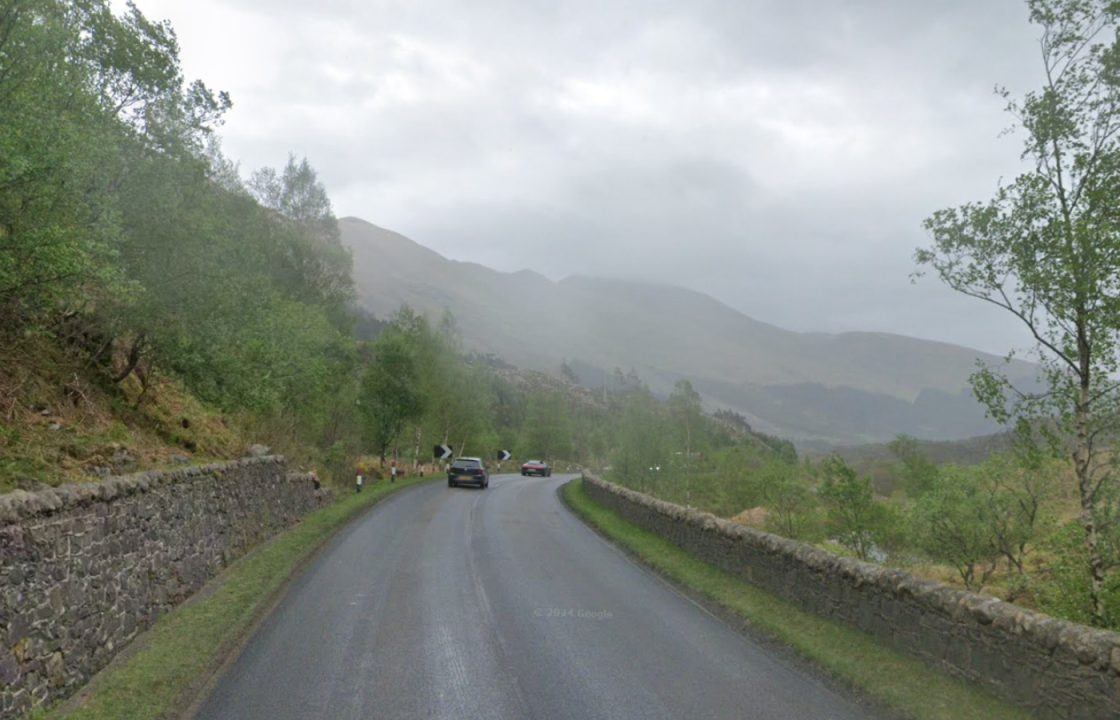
[(465, 465)]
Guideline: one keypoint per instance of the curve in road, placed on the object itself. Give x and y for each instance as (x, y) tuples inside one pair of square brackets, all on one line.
[(460, 603)]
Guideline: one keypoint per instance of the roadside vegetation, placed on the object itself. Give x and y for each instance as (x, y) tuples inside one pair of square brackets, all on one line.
[(1007, 526), (1038, 522), (152, 303), (915, 690), (158, 306)]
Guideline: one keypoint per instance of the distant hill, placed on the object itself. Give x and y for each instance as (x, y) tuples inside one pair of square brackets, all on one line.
[(969, 451), (846, 388)]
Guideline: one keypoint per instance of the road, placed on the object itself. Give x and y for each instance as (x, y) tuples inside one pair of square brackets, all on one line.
[(460, 603)]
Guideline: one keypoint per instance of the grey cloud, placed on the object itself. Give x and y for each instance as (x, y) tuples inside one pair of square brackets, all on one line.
[(778, 154)]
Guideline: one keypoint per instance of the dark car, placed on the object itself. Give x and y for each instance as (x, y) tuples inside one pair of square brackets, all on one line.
[(536, 467), (468, 471)]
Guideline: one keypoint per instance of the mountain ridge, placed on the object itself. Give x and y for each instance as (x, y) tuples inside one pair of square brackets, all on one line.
[(854, 386)]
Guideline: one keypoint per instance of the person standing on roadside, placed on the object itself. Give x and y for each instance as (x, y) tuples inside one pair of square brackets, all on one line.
[(393, 471), (359, 478)]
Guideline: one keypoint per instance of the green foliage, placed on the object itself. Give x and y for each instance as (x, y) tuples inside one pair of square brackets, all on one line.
[(793, 505), (852, 514), (1046, 249), (1064, 588), (675, 451), (949, 524), (978, 515), (547, 430), (311, 261), (390, 394), (917, 472), (123, 229)]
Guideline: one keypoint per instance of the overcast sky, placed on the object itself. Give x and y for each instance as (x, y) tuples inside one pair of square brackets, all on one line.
[(779, 155)]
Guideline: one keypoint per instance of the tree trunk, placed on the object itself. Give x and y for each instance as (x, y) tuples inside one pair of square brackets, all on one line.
[(1083, 464), (1082, 461), (133, 358)]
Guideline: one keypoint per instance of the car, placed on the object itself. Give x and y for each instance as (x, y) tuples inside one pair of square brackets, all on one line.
[(536, 467), (468, 471)]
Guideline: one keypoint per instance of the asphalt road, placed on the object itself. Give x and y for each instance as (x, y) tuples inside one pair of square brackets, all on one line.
[(460, 603)]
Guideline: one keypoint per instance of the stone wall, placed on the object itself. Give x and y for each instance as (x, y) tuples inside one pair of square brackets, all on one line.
[(85, 567), (1055, 668)]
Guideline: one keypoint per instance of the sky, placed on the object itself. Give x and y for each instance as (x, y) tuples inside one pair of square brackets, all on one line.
[(779, 155)]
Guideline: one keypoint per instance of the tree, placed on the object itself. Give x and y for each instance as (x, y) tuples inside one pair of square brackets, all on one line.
[(1046, 249), (951, 525), (918, 472), (311, 252), (852, 513), (1014, 499), (390, 394), (547, 432), (642, 451), (786, 495), (686, 410), (77, 83)]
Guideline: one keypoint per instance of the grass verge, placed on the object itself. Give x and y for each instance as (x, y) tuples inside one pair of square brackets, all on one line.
[(902, 684), (180, 650)]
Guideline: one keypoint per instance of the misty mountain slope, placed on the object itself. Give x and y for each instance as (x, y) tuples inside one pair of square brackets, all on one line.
[(843, 388)]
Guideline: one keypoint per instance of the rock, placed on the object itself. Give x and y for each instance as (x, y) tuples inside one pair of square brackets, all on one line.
[(180, 459), (54, 426), (56, 669), (9, 669), (258, 450), (122, 461), (30, 484)]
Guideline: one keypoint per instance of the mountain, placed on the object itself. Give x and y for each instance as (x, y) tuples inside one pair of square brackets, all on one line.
[(809, 387)]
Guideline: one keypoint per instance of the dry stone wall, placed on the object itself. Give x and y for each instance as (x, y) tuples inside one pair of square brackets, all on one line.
[(1055, 668), (85, 567)]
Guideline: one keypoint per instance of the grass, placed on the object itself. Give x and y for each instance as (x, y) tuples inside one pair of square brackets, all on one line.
[(180, 650), (902, 684), (60, 420)]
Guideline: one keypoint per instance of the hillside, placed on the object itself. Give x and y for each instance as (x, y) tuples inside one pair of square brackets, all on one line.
[(63, 421), (845, 388)]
